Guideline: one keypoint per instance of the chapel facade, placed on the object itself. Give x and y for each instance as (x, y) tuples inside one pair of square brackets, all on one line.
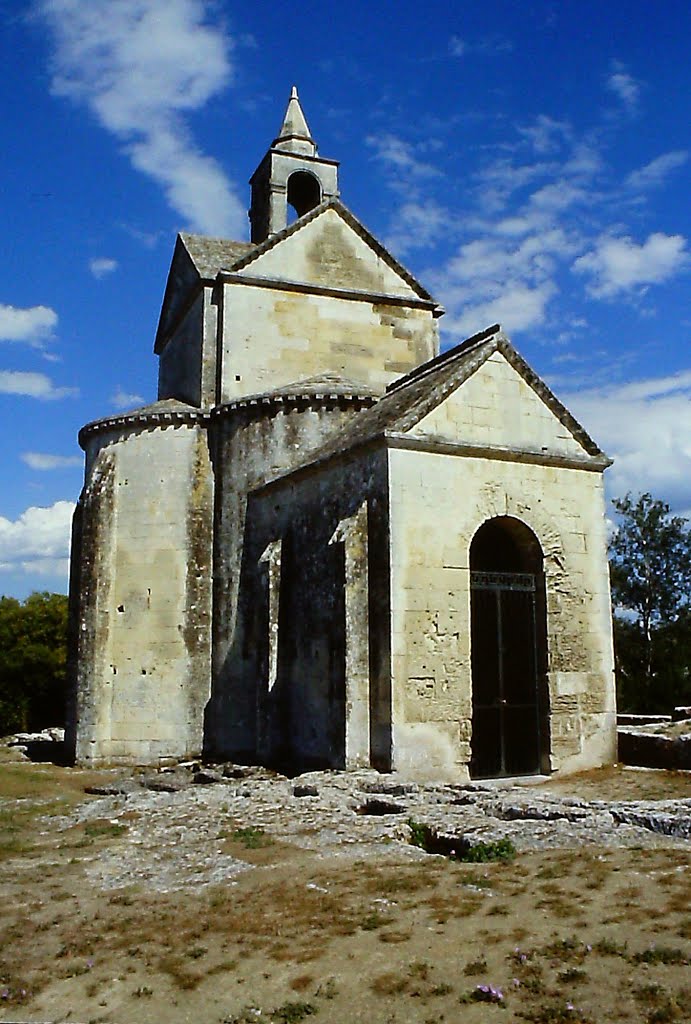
[(326, 544)]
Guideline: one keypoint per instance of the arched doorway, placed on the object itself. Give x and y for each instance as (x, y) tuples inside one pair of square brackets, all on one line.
[(508, 651)]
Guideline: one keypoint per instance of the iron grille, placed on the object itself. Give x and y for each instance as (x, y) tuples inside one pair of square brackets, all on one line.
[(502, 581)]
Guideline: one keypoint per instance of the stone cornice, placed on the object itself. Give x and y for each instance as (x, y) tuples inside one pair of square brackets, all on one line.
[(590, 463), (278, 399), (354, 294), (142, 419)]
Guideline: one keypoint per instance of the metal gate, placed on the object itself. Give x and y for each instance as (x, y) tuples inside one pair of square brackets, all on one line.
[(506, 712)]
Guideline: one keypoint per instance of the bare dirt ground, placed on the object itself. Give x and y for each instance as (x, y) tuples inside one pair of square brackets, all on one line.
[(258, 899)]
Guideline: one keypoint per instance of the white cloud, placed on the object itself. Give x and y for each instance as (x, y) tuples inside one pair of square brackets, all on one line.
[(618, 264), (41, 461), (545, 134), (488, 46), (140, 66), (38, 541), (126, 399), (401, 156), (31, 324), (32, 385), (624, 86), (518, 307), (645, 426), (657, 170), (497, 280), (418, 225), (102, 266)]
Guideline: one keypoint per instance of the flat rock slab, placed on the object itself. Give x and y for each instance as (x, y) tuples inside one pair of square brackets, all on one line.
[(176, 832)]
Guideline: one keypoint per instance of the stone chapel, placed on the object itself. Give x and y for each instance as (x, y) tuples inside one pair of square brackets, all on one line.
[(326, 544)]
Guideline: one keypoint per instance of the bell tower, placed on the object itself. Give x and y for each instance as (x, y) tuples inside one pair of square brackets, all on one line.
[(291, 174)]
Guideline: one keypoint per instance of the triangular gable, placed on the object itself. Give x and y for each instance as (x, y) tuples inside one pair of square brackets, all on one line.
[(496, 407), (196, 258), (409, 406), (183, 276), (329, 247)]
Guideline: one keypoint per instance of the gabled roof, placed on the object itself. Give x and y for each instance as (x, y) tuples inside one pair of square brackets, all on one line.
[(358, 227), (200, 258), (209, 255), (196, 259), (413, 396)]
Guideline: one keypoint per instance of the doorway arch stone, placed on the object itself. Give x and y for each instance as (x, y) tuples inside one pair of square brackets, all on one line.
[(510, 702)]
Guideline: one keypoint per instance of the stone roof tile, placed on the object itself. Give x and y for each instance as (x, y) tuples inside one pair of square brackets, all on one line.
[(210, 255)]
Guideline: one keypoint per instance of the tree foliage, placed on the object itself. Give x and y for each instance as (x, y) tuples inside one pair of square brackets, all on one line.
[(650, 571), (33, 659)]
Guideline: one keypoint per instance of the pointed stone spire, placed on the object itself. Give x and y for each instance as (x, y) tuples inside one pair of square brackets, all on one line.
[(295, 136), (291, 175)]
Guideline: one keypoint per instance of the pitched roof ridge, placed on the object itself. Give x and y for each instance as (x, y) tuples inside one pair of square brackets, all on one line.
[(335, 204), (286, 232), (400, 408), (214, 238), (545, 393), (445, 357)]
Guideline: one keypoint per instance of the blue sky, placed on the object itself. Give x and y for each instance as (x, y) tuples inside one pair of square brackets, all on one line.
[(530, 163)]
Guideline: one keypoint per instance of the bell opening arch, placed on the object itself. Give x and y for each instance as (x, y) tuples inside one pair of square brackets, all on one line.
[(304, 192)]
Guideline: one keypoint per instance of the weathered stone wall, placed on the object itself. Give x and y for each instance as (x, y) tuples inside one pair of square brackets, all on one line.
[(329, 253), (252, 443), (273, 337), (187, 364), (312, 638), (438, 502), (497, 408), (144, 595)]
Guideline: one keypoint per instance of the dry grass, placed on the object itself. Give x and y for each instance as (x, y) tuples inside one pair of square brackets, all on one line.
[(605, 931)]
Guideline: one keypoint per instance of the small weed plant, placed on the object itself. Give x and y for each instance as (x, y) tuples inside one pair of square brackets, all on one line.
[(423, 836), (251, 838)]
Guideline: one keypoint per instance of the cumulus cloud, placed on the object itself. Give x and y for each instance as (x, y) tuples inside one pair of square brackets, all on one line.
[(102, 266), (31, 324), (645, 426), (32, 385), (141, 66), (655, 173), (38, 541), (42, 461), (517, 307), (126, 399), (619, 264), (508, 277)]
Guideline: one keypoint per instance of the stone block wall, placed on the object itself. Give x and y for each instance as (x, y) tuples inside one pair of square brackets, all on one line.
[(438, 502), (311, 643), (274, 336), (142, 596)]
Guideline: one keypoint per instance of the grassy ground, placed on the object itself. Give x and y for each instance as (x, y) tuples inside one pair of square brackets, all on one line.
[(566, 935)]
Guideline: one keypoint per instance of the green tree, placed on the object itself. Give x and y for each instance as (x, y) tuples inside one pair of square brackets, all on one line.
[(33, 659), (650, 570)]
